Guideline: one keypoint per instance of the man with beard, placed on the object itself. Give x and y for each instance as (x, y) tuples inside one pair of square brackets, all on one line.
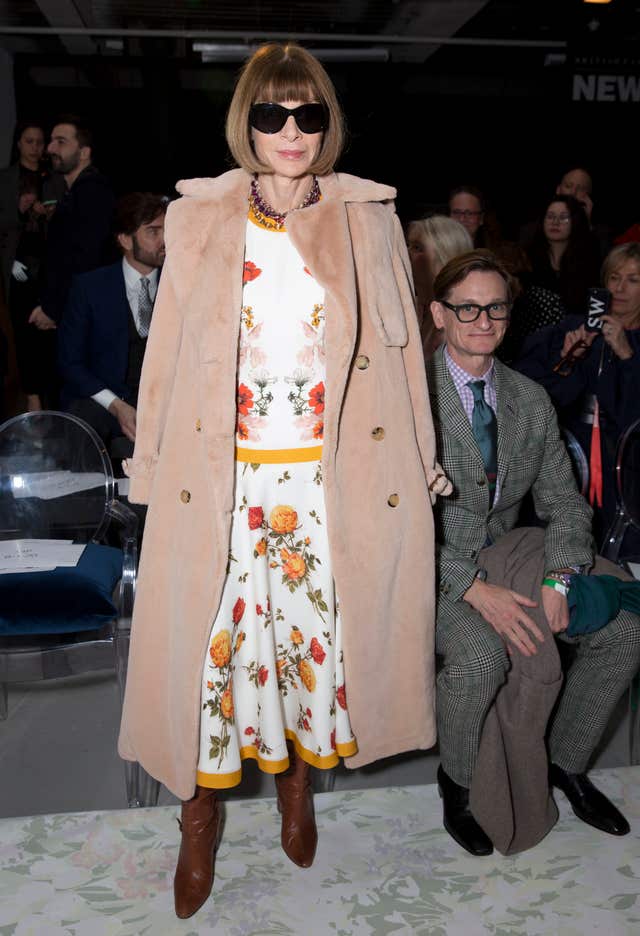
[(79, 233), (103, 333)]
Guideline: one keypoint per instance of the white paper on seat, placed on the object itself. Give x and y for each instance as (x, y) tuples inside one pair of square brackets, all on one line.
[(123, 486), (38, 555), (47, 485)]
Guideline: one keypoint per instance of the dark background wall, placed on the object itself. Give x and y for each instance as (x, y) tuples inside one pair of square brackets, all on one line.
[(501, 119)]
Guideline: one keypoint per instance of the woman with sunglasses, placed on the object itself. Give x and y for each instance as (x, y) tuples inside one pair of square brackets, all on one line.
[(285, 447)]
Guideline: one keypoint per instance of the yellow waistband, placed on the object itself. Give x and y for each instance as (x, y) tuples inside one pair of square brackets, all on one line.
[(278, 456)]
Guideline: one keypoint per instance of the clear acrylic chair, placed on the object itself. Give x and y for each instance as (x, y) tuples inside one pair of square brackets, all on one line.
[(626, 523), (57, 486)]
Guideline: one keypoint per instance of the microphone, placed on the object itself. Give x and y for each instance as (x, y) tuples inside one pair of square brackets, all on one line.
[(598, 305), (599, 302)]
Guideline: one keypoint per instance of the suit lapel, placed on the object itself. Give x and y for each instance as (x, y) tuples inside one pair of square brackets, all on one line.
[(450, 409), (507, 419)]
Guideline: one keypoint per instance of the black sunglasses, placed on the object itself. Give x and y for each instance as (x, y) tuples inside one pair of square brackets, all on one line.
[(271, 118)]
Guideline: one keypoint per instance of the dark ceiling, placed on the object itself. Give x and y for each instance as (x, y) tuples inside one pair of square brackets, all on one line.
[(399, 26)]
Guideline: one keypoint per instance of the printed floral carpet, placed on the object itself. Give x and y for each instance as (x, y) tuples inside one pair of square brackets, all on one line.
[(384, 866)]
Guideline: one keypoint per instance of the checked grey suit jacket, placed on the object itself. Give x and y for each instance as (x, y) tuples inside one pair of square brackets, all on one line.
[(531, 457)]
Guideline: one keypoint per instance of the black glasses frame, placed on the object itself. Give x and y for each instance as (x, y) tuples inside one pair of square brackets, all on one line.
[(269, 117), (479, 310)]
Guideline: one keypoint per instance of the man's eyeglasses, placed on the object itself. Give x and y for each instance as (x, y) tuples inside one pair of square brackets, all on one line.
[(469, 311), (464, 213), (271, 118)]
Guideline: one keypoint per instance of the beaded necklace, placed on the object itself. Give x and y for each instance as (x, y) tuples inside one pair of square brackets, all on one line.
[(267, 216)]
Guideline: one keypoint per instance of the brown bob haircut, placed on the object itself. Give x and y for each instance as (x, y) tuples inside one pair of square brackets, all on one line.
[(457, 270), (277, 73)]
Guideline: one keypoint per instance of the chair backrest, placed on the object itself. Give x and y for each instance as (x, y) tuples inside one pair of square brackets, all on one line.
[(628, 473), (56, 479), (579, 460)]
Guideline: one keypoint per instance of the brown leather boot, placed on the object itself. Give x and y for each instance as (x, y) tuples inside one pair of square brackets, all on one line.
[(295, 801), (201, 826)]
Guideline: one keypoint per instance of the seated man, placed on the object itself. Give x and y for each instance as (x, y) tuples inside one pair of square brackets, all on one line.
[(103, 334), (498, 439)]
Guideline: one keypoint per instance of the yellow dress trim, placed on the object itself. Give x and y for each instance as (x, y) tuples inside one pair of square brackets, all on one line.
[(278, 456), (264, 222), (225, 781)]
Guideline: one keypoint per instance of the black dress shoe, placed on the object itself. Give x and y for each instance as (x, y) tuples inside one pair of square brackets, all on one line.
[(458, 820), (587, 802)]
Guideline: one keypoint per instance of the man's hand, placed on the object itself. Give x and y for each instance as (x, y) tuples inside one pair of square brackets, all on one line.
[(556, 609), (503, 610), (26, 201), (614, 334), (41, 320), (126, 416), (587, 204)]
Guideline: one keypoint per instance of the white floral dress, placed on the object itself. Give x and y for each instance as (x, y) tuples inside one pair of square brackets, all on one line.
[(274, 668)]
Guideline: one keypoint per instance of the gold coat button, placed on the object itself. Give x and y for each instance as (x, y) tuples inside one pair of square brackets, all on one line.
[(393, 500), (185, 496), (377, 433), (362, 362), (198, 426)]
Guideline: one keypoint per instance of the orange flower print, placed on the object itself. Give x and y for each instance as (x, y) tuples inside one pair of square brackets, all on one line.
[(226, 704), (244, 399), (261, 546), (296, 636), (209, 684), (317, 650), (280, 665), (239, 641), (294, 567), (263, 675), (242, 431), (256, 516), (220, 649), (341, 696), (332, 740), (251, 272), (238, 610), (307, 675), (283, 519), (318, 430), (316, 398)]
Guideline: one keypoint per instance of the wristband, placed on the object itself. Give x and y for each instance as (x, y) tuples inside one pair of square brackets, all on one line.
[(556, 585)]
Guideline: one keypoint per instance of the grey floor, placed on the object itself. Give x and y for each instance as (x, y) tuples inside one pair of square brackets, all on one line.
[(58, 752)]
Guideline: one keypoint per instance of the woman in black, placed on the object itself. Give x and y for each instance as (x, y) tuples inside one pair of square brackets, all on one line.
[(564, 253), (26, 201)]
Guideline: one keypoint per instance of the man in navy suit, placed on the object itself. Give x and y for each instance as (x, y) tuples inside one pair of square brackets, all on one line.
[(103, 334)]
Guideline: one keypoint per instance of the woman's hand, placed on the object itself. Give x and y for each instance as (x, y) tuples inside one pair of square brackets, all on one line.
[(41, 320), (614, 334), (438, 483), (572, 337)]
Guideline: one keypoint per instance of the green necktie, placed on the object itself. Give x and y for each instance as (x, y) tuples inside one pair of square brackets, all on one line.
[(484, 426)]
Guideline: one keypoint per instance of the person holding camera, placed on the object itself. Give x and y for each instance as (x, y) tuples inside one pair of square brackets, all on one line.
[(592, 374)]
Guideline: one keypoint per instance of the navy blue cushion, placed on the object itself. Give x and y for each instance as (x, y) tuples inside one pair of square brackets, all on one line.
[(64, 600)]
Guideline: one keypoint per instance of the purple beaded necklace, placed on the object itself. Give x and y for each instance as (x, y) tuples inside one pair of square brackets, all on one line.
[(267, 215)]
